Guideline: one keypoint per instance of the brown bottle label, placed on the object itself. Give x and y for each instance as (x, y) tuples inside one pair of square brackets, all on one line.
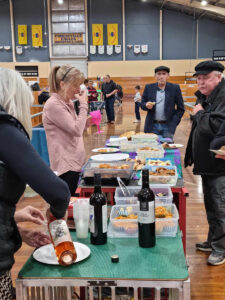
[(59, 232)]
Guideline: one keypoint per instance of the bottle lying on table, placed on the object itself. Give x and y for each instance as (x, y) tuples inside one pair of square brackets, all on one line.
[(62, 241)]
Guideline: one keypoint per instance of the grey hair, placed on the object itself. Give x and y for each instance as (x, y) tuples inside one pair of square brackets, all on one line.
[(16, 97), (218, 73)]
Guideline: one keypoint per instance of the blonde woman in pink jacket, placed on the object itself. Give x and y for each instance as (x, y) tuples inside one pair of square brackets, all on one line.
[(63, 127)]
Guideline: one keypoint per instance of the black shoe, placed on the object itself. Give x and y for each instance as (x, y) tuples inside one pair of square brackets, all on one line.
[(205, 246)]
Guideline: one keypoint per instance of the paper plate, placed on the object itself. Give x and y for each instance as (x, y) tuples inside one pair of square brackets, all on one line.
[(173, 146), (220, 152), (46, 254), (105, 150), (110, 157)]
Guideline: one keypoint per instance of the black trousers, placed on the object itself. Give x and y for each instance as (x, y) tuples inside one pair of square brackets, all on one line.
[(214, 198), (71, 178)]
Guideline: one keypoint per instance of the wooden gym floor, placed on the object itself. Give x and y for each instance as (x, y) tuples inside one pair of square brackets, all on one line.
[(207, 282)]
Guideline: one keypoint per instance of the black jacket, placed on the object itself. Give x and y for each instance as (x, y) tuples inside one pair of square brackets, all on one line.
[(206, 124), (174, 105), (20, 164), (219, 140)]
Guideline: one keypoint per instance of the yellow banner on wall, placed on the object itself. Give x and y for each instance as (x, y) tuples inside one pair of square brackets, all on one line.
[(22, 34), (37, 40), (97, 34), (112, 32)]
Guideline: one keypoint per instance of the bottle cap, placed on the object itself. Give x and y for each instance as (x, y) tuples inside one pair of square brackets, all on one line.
[(115, 258)]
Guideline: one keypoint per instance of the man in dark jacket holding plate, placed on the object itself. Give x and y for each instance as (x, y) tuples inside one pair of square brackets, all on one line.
[(208, 115)]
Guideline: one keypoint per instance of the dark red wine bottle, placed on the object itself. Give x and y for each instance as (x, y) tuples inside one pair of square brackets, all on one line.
[(146, 213), (98, 214)]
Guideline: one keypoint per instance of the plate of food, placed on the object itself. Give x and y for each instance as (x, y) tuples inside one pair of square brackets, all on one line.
[(172, 146), (110, 157), (219, 151), (105, 150), (46, 254)]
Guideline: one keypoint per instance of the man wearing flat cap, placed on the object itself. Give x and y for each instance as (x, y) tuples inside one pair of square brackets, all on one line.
[(208, 116), (164, 103)]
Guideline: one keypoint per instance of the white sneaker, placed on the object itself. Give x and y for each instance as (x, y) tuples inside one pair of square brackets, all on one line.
[(136, 121)]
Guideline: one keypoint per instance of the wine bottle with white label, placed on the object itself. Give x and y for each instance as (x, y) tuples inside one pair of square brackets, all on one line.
[(98, 214), (146, 213)]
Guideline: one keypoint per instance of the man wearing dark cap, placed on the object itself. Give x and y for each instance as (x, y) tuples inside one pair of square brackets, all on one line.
[(164, 103), (208, 115)]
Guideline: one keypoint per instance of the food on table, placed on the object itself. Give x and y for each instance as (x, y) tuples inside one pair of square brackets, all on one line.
[(138, 163), (147, 134), (148, 149), (109, 166), (123, 217), (102, 150), (161, 194), (128, 134), (162, 172), (162, 212), (131, 228), (169, 146), (159, 162)]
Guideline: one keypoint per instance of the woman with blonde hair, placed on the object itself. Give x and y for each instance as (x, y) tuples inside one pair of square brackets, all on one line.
[(63, 127), (20, 164)]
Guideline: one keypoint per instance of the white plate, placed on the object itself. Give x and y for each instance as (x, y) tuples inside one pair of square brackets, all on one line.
[(109, 150), (220, 152), (173, 146), (110, 157), (46, 254)]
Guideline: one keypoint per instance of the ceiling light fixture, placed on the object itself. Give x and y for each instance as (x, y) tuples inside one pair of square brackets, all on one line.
[(60, 1), (204, 2)]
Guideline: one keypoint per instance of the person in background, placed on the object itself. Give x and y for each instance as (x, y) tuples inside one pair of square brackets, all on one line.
[(84, 86), (20, 164), (208, 115), (164, 103), (64, 128), (137, 102), (92, 95), (108, 94)]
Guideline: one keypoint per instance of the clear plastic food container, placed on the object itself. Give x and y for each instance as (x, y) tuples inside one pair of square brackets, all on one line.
[(167, 227), (164, 227), (163, 195), (128, 223), (161, 180), (108, 175), (161, 162), (132, 146), (147, 137), (155, 151)]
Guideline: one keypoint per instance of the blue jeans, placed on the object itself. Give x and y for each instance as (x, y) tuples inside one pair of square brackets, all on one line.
[(109, 107), (161, 129), (137, 112)]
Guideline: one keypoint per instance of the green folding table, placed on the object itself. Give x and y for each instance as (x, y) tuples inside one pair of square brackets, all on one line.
[(163, 266)]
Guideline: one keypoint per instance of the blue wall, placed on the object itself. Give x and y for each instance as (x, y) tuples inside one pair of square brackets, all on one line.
[(179, 36), (30, 13), (142, 28), (105, 12), (211, 37), (5, 32)]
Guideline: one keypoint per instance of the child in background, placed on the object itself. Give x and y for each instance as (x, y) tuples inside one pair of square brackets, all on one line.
[(137, 101)]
